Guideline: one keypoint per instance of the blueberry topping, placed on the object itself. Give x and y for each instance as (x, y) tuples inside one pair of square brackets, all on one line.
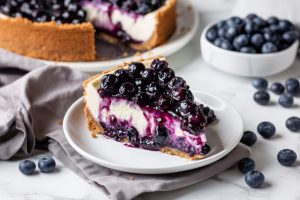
[(286, 157), (277, 88), (108, 82), (123, 75), (127, 90), (286, 100), (249, 138), (157, 64), (181, 94), (260, 83), (261, 97), (47, 164), (177, 82), (254, 179), (153, 89), (148, 74), (161, 136), (27, 167), (142, 99), (165, 75), (133, 137), (245, 165), (293, 124), (266, 129), (135, 69)]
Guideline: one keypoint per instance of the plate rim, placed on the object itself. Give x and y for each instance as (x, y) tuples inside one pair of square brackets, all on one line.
[(159, 170), (95, 66)]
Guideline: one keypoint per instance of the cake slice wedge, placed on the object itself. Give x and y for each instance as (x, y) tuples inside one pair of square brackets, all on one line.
[(146, 106)]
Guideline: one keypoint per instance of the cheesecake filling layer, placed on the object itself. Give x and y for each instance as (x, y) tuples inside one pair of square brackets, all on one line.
[(129, 26)]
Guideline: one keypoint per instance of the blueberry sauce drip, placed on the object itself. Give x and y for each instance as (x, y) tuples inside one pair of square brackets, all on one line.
[(158, 88), (60, 11)]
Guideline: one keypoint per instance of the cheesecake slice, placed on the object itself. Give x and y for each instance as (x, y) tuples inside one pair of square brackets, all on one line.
[(146, 106)]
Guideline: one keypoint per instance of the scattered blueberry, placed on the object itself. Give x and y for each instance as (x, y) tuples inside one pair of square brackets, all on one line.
[(286, 157), (47, 164), (27, 167), (266, 129), (246, 164), (254, 179), (261, 97), (277, 88), (260, 83), (293, 124), (292, 86), (286, 100), (249, 138)]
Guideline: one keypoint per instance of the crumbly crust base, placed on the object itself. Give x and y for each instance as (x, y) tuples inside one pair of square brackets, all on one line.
[(48, 40), (95, 128)]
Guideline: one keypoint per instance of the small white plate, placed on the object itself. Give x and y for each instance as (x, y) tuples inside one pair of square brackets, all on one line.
[(186, 27), (222, 136)]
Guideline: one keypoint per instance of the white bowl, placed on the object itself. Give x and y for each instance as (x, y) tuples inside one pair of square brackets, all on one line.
[(243, 64)]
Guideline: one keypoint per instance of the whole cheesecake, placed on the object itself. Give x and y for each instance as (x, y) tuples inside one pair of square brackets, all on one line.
[(145, 105), (64, 30)]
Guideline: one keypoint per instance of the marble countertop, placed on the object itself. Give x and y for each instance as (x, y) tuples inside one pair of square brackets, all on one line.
[(281, 182)]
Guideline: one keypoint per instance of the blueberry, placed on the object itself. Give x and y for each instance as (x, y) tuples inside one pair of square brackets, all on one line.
[(249, 138), (205, 149), (218, 42), (290, 36), (153, 89), (135, 69), (254, 179), (158, 64), (163, 102), (182, 94), (286, 100), (271, 37), (211, 34), (292, 86), (165, 75), (251, 28), (247, 49), (272, 20), (127, 90), (108, 82), (221, 24), (269, 47), (239, 41), (133, 137), (251, 16), (257, 40), (149, 144), (186, 107), (231, 32), (277, 88), (286, 157), (161, 136), (148, 74), (196, 123), (260, 83), (259, 22), (27, 167), (226, 45), (222, 32), (246, 164), (123, 75), (142, 99), (47, 164), (261, 97), (233, 21), (285, 25), (266, 129), (293, 124), (176, 82)]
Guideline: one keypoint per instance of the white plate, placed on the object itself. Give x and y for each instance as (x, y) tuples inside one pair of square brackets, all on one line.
[(222, 137), (187, 25)]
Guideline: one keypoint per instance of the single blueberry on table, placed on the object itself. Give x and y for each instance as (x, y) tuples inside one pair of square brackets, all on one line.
[(277, 88), (47, 164), (293, 124), (211, 34), (249, 138), (257, 39), (286, 100), (261, 97), (266, 129), (269, 47), (240, 40), (286, 157), (292, 86), (260, 83), (247, 49), (27, 167), (254, 179), (246, 164)]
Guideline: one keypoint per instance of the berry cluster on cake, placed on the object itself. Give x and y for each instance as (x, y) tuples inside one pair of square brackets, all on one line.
[(145, 105), (64, 30)]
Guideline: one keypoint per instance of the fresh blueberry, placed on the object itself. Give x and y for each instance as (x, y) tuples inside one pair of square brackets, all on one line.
[(266, 129), (251, 16), (247, 49), (286, 100), (221, 24), (211, 34), (290, 36), (222, 32), (241, 40), (27, 167), (218, 42), (233, 21), (260, 83), (226, 45), (269, 47), (286, 157), (259, 22), (251, 28), (272, 20), (261, 97), (205, 149), (254, 179), (285, 25), (277, 88), (293, 124), (249, 138), (47, 164), (245, 165), (231, 32), (292, 86), (271, 37), (257, 39)]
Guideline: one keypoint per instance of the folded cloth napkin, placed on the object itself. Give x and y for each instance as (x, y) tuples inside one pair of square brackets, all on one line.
[(33, 100)]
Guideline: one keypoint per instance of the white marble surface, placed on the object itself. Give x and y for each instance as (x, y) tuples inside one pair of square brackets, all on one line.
[(281, 182)]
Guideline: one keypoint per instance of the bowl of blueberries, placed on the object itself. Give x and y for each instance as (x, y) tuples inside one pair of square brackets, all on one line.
[(250, 46)]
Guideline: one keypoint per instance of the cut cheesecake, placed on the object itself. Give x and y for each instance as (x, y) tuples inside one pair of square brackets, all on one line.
[(146, 106), (65, 30)]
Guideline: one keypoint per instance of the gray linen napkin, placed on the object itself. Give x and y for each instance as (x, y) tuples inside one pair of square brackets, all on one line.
[(31, 107)]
